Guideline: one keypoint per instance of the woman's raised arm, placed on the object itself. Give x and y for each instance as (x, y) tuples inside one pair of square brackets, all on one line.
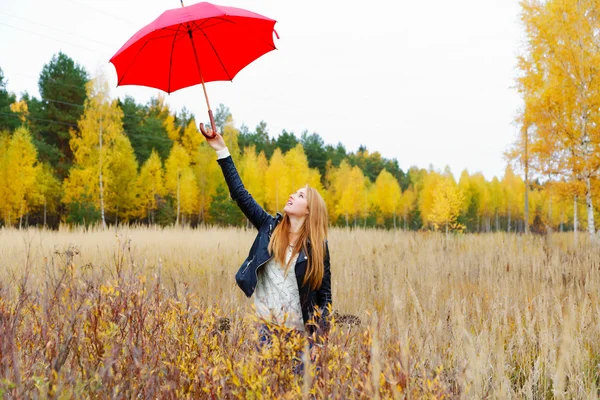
[(251, 209)]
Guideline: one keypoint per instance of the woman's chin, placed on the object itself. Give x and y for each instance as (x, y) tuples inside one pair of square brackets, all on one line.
[(289, 211)]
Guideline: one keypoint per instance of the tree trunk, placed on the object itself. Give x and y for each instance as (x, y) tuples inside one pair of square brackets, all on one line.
[(526, 217), (497, 221), (405, 218), (575, 227), (101, 183), (178, 204), (21, 216), (590, 207), (44, 212), (550, 214), (508, 226), (394, 219), (562, 216)]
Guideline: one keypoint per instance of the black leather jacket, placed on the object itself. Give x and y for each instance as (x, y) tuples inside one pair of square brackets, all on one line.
[(247, 275)]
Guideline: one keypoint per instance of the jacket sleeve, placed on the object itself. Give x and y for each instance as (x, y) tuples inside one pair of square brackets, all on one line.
[(324, 293), (251, 209)]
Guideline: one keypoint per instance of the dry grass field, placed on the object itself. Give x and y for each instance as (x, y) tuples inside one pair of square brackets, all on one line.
[(155, 313)]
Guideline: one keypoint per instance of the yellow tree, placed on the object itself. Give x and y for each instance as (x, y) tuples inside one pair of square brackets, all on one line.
[(447, 202), (230, 136), (514, 189), (387, 194), (208, 177), (93, 145), (121, 193), (484, 209), (497, 201), (314, 181), (296, 163), (188, 193), (353, 200), (206, 169), (252, 171), (560, 86), (20, 107), (549, 210), (173, 131), (48, 191), (464, 184), (278, 186), (177, 179), (337, 182), (426, 197), (191, 139), (407, 204), (570, 194), (4, 204), (21, 170), (150, 186)]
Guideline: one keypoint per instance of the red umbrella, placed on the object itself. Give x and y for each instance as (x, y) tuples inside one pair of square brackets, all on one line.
[(191, 45)]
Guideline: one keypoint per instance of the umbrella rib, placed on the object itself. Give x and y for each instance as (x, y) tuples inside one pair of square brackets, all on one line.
[(129, 66), (171, 59), (216, 54), (169, 29), (221, 20)]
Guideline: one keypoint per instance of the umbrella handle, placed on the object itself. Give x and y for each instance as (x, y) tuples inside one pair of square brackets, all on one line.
[(212, 124)]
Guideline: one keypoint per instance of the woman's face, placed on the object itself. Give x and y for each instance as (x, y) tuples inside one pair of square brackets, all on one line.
[(297, 204)]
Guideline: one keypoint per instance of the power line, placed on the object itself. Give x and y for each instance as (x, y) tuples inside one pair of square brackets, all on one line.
[(50, 79), (104, 12), (80, 106), (39, 119), (56, 29), (49, 37)]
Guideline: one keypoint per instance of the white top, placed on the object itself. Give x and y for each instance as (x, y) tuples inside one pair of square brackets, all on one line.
[(276, 296)]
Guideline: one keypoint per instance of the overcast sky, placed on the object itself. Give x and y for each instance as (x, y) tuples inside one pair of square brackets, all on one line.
[(425, 82)]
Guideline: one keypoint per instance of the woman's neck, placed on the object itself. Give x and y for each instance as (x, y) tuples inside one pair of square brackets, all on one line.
[(295, 224)]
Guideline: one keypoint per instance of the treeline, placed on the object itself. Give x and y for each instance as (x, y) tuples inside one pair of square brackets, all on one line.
[(77, 156)]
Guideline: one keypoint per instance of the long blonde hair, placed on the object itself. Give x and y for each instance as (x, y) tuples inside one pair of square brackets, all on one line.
[(313, 230)]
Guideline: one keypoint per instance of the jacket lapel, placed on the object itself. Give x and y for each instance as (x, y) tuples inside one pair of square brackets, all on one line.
[(300, 267)]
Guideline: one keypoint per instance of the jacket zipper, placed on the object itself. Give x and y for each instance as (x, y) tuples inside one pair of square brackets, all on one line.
[(247, 266), (256, 269), (250, 262)]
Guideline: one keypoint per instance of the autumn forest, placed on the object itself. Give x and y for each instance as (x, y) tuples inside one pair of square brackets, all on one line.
[(77, 156)]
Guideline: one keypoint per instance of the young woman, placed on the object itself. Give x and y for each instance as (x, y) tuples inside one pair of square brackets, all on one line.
[(287, 269)]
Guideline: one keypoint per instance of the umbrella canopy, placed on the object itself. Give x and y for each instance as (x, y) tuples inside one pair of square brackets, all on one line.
[(192, 45)]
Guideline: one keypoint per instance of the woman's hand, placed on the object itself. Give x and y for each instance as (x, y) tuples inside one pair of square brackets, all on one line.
[(217, 142)]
